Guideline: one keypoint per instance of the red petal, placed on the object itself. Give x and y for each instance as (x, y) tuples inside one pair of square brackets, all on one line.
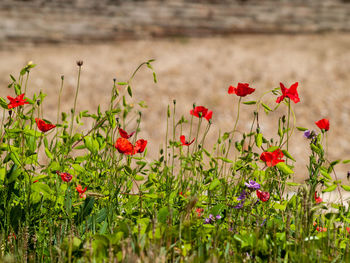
[(123, 133), (209, 115), (140, 145), (231, 90), (124, 146)]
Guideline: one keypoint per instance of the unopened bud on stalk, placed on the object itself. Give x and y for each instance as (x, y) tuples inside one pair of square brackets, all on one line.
[(79, 63), (174, 101), (62, 77), (38, 102), (10, 112)]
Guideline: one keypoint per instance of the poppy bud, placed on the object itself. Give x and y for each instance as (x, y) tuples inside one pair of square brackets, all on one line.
[(62, 77), (38, 102), (79, 63), (10, 112)]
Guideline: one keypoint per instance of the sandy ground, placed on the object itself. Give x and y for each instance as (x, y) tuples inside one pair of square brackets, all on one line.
[(200, 71)]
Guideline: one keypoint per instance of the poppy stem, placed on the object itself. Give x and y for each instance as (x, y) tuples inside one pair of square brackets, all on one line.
[(75, 102), (234, 127), (288, 120)]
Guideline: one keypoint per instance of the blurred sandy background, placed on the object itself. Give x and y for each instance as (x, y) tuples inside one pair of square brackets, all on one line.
[(200, 70)]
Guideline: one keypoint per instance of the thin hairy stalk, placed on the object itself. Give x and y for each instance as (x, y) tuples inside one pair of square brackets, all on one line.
[(75, 101)]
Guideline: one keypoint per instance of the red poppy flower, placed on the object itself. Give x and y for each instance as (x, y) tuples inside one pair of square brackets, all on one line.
[(242, 90), (140, 146), (15, 102), (263, 196), (289, 93), (124, 146), (184, 142), (66, 177), (272, 158), (81, 191), (201, 111), (348, 229), (124, 134), (323, 124), (318, 199), (321, 229), (35, 181), (43, 126), (199, 211), (11, 236)]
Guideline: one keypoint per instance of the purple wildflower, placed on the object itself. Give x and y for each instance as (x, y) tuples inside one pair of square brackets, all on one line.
[(218, 217), (239, 206), (242, 196), (253, 185), (209, 220), (309, 134), (263, 222)]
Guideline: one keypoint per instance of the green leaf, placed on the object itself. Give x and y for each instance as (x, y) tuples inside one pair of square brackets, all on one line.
[(42, 188), (346, 161), (284, 168), (48, 153), (335, 162), (302, 129), (91, 144), (325, 174), (32, 132), (78, 168), (224, 159), (215, 183), (258, 140), (163, 214), (39, 177), (139, 178), (345, 187), (129, 91), (330, 189), (3, 103), (218, 209), (15, 158), (86, 209), (250, 102), (280, 206), (267, 108), (2, 174), (287, 154)]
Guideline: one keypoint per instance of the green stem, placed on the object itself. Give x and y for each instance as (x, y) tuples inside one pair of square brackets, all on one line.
[(288, 120), (75, 102)]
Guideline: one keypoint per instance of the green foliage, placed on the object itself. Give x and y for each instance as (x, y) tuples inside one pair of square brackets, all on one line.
[(86, 199)]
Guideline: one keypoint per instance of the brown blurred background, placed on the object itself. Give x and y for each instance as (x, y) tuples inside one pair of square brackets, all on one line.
[(201, 47)]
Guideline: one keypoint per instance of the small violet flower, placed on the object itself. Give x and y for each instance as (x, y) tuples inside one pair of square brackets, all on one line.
[(309, 134), (239, 206), (253, 185), (211, 219)]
